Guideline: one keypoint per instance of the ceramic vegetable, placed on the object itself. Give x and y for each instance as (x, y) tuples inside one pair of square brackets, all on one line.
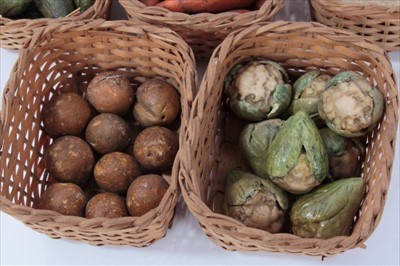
[(297, 160), (258, 90)]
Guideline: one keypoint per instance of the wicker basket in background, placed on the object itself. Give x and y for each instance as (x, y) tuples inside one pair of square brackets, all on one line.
[(377, 20), (203, 32), (59, 58), (210, 148), (15, 33)]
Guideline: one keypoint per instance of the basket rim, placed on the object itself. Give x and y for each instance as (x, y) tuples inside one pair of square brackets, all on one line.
[(190, 191), (25, 213), (338, 5), (379, 22), (15, 32), (75, 14)]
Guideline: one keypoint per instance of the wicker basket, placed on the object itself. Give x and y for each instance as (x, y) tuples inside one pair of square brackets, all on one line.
[(210, 148), (58, 58), (379, 20), (15, 33), (203, 32)]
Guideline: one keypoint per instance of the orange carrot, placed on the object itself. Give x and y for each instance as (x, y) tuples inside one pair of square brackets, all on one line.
[(150, 2), (199, 6)]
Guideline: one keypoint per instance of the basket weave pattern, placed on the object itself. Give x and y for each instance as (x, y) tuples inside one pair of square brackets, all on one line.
[(377, 22), (203, 32), (15, 33), (210, 151), (58, 59)]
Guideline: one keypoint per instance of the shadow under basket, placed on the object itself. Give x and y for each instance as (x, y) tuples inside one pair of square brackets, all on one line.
[(58, 58), (377, 20), (203, 31), (210, 150)]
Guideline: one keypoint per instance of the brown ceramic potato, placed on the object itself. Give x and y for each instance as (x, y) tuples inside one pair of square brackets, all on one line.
[(155, 148), (70, 159), (65, 198), (145, 193), (108, 205), (110, 92), (115, 171), (157, 104), (107, 133), (65, 114)]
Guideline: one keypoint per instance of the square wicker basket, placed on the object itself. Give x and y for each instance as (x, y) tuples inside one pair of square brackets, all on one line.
[(58, 58), (14, 33), (210, 148), (377, 20), (203, 32)]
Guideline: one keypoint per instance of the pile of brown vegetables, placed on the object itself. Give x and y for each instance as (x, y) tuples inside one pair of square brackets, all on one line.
[(32, 9), (302, 148), (113, 147)]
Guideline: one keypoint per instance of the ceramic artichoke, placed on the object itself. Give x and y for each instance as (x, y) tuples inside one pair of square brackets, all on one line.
[(254, 142), (297, 160), (258, 90), (255, 201), (307, 90), (343, 153), (329, 210), (350, 106)]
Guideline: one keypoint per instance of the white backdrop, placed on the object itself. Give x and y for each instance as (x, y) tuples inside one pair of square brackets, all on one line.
[(185, 243)]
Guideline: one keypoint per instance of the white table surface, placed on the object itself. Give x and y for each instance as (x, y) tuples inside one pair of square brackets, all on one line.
[(21, 245)]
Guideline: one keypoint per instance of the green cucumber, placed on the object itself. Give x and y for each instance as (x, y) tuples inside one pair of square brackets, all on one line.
[(9, 8), (55, 8), (32, 12), (84, 4)]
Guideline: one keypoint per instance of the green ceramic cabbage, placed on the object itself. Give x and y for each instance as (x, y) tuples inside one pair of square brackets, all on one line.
[(255, 201), (297, 160), (343, 153), (254, 142), (258, 90), (350, 106), (307, 90)]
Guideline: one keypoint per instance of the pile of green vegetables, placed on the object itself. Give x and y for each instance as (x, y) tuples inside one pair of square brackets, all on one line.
[(302, 146), (31, 9)]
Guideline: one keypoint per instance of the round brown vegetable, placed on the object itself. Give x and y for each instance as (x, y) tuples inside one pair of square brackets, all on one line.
[(145, 193), (108, 133), (70, 159), (155, 148), (157, 104), (65, 198), (65, 114), (115, 171), (110, 92), (107, 205)]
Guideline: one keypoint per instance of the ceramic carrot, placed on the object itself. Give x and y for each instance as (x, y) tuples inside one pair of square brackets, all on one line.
[(198, 6)]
